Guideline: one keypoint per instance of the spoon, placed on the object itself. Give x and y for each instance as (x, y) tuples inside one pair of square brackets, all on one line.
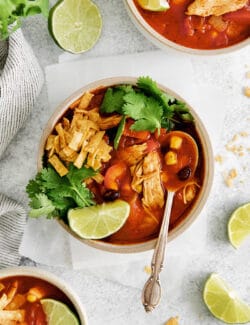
[(151, 293)]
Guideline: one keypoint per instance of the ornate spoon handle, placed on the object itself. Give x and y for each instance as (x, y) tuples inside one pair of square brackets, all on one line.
[(151, 293)]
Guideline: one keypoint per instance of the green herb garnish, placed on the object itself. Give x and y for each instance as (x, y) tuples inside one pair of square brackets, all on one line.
[(53, 196), (12, 11), (150, 107)]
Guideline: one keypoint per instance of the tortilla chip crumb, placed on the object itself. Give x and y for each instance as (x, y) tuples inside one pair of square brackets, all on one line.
[(230, 177), (173, 321), (247, 91), (248, 74), (147, 269), (219, 159), (244, 134)]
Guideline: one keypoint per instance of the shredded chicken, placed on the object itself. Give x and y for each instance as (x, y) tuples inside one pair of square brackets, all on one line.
[(153, 195), (214, 7), (133, 154)]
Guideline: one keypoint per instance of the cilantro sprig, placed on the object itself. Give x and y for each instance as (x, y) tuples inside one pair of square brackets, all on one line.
[(52, 196), (150, 107), (12, 11)]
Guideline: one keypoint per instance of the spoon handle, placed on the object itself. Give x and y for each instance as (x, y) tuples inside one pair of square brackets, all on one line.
[(151, 293)]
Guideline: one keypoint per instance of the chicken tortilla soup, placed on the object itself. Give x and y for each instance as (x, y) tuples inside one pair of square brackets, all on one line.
[(201, 24), (29, 300), (111, 158)]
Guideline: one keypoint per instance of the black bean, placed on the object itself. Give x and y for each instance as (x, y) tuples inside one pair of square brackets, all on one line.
[(111, 195), (184, 173)]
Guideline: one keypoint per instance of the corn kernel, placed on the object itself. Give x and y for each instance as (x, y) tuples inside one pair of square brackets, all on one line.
[(175, 142), (171, 158), (31, 298)]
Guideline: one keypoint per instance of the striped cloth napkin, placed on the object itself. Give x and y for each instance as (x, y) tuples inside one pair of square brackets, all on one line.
[(21, 80)]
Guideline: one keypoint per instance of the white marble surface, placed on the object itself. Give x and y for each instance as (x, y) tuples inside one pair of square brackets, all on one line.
[(108, 302)]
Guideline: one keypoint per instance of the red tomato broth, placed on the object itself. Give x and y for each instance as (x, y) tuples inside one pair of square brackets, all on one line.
[(194, 31), (34, 314), (143, 225)]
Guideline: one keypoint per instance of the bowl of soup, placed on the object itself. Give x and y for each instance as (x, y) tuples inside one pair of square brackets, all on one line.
[(195, 26), (29, 295), (122, 140)]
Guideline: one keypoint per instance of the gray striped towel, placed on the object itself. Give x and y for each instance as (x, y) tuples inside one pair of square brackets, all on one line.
[(21, 80), (12, 222)]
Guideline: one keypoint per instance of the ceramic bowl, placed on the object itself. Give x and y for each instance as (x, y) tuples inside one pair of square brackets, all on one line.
[(52, 279), (208, 158), (163, 43)]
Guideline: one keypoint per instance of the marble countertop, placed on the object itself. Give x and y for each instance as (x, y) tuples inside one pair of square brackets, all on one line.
[(108, 302)]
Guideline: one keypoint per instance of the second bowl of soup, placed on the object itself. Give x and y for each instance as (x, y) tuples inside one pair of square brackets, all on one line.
[(194, 26), (106, 157)]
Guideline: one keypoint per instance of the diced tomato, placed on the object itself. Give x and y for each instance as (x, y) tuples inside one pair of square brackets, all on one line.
[(113, 176), (152, 145), (241, 16), (143, 135)]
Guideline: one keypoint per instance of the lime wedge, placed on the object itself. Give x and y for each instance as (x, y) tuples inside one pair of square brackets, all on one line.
[(154, 5), (58, 313), (75, 25), (223, 302), (239, 225), (99, 221)]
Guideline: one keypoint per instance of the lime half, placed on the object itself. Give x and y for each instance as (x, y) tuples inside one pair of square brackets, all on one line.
[(239, 225), (58, 313), (223, 302), (99, 221), (154, 5), (75, 25)]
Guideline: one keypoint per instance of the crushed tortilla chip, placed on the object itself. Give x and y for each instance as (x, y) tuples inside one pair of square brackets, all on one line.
[(173, 321)]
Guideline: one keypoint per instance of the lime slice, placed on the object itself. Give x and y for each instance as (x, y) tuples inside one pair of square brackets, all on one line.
[(58, 313), (223, 301), (99, 221), (154, 5), (75, 25), (239, 225)]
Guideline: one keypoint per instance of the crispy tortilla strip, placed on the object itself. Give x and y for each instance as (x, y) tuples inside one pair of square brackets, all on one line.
[(86, 124), (60, 132), (18, 301), (76, 118), (66, 124), (133, 154), (57, 144), (68, 151), (79, 161), (105, 123), (7, 297), (99, 178), (153, 195), (85, 100), (94, 142), (50, 142), (214, 7), (76, 140), (104, 150), (58, 165), (14, 315), (75, 103)]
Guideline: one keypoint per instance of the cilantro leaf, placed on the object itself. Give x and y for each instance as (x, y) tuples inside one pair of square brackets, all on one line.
[(113, 100), (53, 195), (41, 206), (146, 111), (12, 11)]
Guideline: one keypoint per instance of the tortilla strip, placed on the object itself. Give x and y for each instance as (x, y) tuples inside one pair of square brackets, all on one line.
[(206, 8), (15, 315), (85, 100), (58, 165)]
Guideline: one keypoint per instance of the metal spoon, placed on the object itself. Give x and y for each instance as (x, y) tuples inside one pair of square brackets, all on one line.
[(151, 293)]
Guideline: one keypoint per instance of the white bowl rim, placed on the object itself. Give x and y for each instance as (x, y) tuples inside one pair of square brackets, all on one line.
[(50, 278), (208, 175), (161, 42)]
